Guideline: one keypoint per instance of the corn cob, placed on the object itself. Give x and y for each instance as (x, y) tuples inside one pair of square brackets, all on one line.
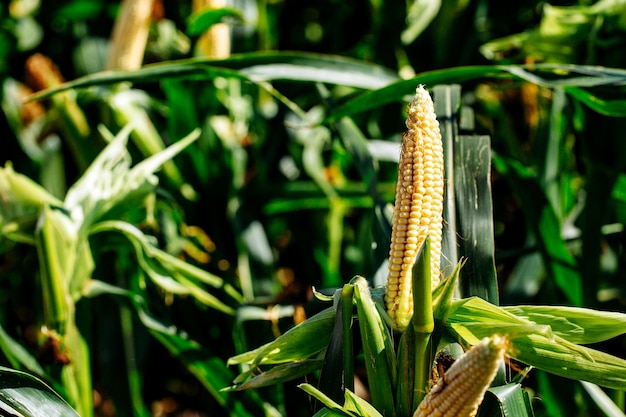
[(459, 392), (418, 206), (130, 35)]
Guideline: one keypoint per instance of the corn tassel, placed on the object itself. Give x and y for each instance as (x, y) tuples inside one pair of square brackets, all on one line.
[(461, 389), (418, 206)]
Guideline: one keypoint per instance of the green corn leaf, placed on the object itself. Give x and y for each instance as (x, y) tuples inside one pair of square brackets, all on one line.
[(380, 362), (65, 263), (326, 412), (559, 357), (576, 325), (280, 374), (324, 399), (203, 19), (447, 101), (602, 400), (615, 107), (301, 342), (420, 14), (19, 195), (509, 400), (549, 75), (535, 344), (353, 405), (168, 272), (474, 222), (109, 182), (103, 183), (358, 406), (476, 310), (17, 355), (23, 395), (257, 67), (397, 90), (156, 160), (128, 108)]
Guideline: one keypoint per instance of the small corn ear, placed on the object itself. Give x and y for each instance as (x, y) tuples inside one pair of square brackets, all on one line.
[(418, 206), (462, 388)]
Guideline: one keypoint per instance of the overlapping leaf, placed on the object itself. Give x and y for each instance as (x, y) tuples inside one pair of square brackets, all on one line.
[(537, 344)]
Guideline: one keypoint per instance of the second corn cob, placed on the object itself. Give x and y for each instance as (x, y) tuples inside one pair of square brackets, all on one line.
[(418, 206), (460, 390)]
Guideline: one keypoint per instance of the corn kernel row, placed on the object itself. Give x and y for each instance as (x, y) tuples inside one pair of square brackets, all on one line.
[(418, 206)]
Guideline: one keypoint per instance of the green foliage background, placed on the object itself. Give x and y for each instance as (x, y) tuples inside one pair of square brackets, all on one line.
[(287, 185)]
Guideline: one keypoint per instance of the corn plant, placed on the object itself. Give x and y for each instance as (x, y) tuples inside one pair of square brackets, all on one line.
[(67, 235), (535, 339), (285, 155), (428, 319)]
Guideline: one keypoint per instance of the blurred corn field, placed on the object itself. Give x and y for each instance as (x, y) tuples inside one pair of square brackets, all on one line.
[(179, 178)]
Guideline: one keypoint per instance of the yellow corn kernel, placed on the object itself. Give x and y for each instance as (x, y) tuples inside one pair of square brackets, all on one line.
[(459, 392), (418, 206)]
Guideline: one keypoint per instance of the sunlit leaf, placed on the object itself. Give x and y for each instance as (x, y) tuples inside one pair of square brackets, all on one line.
[(255, 67), (577, 325), (359, 406), (23, 395), (548, 75), (301, 342), (281, 373), (321, 397), (510, 400), (535, 344), (377, 348)]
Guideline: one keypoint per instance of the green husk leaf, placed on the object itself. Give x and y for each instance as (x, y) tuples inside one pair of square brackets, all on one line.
[(379, 354), (422, 323)]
